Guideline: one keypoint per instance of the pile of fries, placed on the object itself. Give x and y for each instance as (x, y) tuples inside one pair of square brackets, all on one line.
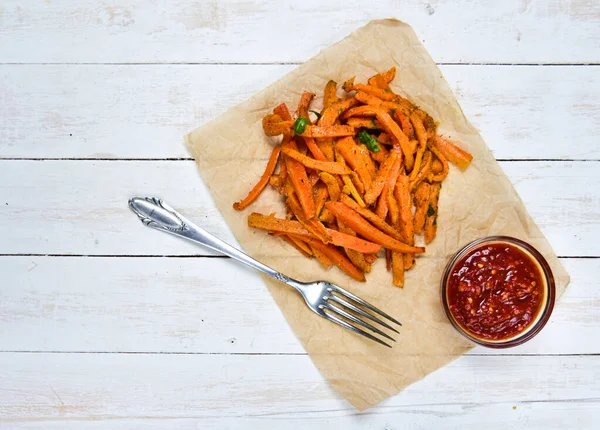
[(363, 176)]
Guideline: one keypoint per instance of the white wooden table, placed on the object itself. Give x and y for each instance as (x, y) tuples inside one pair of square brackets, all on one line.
[(104, 324)]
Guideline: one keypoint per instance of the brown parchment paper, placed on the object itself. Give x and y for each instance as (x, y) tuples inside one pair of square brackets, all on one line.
[(231, 153)]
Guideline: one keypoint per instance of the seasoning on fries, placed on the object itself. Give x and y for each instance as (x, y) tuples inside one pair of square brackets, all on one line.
[(361, 180)]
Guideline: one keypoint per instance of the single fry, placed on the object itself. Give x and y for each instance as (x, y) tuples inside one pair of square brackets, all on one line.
[(304, 104), (274, 125), (421, 203), (402, 194), (353, 242), (453, 153), (311, 163), (388, 260), (315, 149), (432, 213), (419, 129), (283, 112), (368, 98), (328, 131), (385, 77), (299, 179), (321, 194), (330, 94), (398, 269), (262, 182), (272, 223), (406, 125), (282, 175), (372, 90), (394, 209)]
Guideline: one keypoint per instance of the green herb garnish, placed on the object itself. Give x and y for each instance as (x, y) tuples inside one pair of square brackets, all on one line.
[(300, 125), (373, 122), (430, 211), (340, 110), (318, 114), (370, 141)]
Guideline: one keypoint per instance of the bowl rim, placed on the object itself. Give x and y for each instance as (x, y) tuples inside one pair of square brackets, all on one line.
[(545, 312)]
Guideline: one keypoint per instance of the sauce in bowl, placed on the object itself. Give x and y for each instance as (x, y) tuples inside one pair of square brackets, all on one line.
[(498, 291)]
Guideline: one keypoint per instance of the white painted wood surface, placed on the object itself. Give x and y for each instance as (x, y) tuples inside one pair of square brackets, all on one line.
[(89, 216), (137, 111), (98, 331), (107, 304), (241, 31)]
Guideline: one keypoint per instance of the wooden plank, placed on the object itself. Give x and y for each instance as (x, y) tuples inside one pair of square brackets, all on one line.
[(80, 207), (200, 305), (537, 415), (554, 31), (523, 112), (40, 388)]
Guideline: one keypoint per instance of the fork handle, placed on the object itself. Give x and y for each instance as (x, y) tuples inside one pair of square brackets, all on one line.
[(154, 213)]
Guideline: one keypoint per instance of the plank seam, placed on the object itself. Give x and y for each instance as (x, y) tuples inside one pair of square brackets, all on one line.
[(189, 256), (278, 63), (583, 160), (591, 354)]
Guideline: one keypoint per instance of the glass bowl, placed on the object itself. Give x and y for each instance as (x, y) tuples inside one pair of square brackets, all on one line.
[(545, 308)]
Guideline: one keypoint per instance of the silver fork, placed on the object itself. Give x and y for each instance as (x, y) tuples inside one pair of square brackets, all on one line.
[(324, 298)]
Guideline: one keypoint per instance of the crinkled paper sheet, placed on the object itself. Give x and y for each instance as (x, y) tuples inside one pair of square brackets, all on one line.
[(231, 152)]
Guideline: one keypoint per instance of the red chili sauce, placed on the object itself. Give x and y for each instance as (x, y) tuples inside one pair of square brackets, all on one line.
[(495, 291)]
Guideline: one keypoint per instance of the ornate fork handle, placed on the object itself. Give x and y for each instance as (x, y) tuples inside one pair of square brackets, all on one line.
[(157, 214)]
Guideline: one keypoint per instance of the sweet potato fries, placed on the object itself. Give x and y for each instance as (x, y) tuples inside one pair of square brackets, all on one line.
[(361, 177)]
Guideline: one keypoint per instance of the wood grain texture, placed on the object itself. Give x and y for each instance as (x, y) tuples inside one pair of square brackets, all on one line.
[(282, 390), (547, 415), (142, 111), (205, 306), (80, 207), (512, 31)]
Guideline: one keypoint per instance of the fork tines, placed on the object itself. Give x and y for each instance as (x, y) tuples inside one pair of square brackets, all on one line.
[(344, 308)]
